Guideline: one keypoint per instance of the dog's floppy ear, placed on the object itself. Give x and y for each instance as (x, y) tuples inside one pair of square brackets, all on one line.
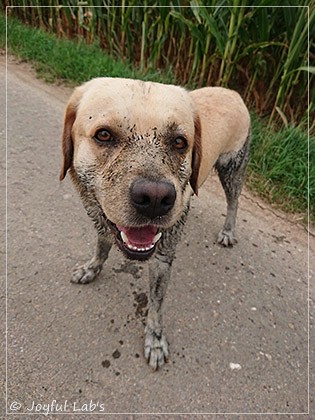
[(67, 141), (196, 156)]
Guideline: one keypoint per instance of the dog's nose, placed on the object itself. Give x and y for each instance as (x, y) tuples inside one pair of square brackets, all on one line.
[(152, 199)]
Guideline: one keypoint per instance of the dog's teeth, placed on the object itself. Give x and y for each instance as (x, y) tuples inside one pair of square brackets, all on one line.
[(124, 237), (157, 237), (138, 249)]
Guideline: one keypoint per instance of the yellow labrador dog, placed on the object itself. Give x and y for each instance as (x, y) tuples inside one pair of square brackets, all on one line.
[(136, 152)]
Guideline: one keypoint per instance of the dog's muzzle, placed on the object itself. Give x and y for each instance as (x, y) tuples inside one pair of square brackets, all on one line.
[(151, 200)]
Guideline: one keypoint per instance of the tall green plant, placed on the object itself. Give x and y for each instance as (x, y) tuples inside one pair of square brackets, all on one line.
[(260, 51)]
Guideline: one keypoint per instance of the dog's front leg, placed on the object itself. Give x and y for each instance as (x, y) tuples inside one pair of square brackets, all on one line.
[(89, 271), (156, 346)]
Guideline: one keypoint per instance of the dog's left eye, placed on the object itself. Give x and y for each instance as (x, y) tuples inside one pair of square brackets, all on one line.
[(180, 143), (103, 136)]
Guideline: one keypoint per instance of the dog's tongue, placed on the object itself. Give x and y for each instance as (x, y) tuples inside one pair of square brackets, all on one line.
[(140, 236)]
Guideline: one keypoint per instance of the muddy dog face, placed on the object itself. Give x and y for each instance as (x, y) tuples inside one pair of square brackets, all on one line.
[(133, 148)]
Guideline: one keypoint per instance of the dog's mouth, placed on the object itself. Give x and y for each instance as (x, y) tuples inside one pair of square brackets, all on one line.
[(137, 243)]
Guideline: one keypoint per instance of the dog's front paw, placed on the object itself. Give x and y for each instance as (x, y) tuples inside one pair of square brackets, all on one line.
[(155, 349), (85, 273), (226, 238)]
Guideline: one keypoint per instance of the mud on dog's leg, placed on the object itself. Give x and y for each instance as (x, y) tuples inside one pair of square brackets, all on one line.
[(231, 170), (156, 346), (88, 272)]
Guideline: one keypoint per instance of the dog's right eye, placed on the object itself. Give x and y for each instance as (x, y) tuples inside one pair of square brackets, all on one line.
[(103, 136)]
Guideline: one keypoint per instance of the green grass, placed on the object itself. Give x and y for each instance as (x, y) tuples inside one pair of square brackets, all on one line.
[(62, 59), (278, 168)]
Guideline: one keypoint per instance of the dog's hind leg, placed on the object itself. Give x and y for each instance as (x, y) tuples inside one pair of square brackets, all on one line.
[(155, 346), (89, 271), (231, 170)]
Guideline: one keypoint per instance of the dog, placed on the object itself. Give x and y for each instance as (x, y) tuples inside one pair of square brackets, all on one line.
[(136, 152)]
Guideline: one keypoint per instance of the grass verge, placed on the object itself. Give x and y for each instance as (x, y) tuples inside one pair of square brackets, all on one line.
[(278, 168), (62, 59)]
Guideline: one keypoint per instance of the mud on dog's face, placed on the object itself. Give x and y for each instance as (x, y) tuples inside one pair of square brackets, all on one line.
[(134, 148)]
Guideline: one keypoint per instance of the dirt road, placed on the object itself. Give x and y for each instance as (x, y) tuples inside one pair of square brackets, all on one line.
[(236, 319)]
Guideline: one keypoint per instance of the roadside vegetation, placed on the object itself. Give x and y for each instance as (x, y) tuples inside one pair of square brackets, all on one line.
[(192, 48)]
